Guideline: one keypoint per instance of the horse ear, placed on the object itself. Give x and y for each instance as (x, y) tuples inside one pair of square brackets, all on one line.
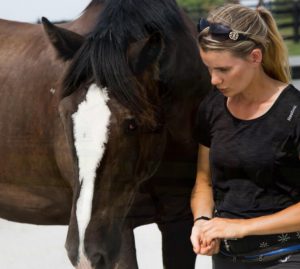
[(145, 52), (64, 41)]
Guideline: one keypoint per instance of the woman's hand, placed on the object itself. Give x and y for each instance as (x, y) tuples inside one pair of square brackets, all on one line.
[(221, 228), (200, 246)]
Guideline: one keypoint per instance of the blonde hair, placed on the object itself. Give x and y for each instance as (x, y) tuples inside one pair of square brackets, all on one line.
[(261, 31)]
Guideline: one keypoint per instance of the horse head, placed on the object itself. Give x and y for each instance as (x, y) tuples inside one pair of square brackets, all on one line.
[(114, 127)]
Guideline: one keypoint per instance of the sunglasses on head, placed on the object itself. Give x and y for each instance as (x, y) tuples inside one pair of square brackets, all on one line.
[(220, 31)]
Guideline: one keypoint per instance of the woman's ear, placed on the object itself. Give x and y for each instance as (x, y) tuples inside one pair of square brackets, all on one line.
[(256, 56)]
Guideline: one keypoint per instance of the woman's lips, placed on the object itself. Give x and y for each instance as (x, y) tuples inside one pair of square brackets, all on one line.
[(222, 89)]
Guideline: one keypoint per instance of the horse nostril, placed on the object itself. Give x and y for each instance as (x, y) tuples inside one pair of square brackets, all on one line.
[(99, 261), (84, 263), (94, 261)]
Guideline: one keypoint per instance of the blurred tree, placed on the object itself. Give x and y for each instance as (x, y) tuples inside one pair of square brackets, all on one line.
[(204, 4), (200, 8), (260, 3)]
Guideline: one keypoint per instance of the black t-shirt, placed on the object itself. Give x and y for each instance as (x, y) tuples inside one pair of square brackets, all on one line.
[(254, 163)]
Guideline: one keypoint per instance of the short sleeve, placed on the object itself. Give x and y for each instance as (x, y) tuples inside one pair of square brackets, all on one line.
[(297, 135), (202, 126)]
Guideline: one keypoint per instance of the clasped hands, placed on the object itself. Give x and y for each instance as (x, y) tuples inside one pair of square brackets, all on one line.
[(207, 234)]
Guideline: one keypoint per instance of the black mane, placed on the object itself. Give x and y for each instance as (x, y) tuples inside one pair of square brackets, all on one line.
[(103, 55)]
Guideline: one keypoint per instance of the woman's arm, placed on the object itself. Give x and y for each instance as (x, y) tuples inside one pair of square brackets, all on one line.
[(202, 204), (284, 221)]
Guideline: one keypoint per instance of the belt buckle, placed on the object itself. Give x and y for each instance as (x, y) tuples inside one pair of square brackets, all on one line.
[(227, 246)]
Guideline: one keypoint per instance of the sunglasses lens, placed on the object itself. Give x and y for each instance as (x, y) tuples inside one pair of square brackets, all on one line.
[(203, 23), (219, 29)]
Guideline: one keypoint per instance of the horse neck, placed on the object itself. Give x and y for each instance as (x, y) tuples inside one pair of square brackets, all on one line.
[(87, 20)]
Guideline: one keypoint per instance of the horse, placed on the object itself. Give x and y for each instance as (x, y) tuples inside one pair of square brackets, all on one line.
[(94, 114)]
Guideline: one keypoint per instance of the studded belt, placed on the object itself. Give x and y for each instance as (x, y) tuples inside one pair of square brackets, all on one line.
[(261, 248), (267, 256)]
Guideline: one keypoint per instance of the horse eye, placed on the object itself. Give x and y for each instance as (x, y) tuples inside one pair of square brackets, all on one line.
[(130, 125)]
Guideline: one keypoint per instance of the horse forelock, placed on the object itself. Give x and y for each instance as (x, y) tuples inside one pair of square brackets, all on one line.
[(103, 56), (128, 91), (127, 21)]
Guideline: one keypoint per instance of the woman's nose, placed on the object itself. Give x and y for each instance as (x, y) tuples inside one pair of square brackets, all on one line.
[(215, 79)]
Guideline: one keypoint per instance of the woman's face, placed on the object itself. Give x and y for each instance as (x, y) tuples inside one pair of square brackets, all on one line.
[(230, 74)]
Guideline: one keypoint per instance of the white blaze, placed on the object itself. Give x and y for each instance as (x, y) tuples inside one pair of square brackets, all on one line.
[(91, 122)]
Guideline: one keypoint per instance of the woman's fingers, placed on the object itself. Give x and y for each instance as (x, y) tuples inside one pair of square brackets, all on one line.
[(195, 239), (211, 249)]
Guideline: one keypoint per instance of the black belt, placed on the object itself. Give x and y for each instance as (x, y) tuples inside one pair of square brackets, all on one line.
[(261, 248), (261, 242), (267, 256)]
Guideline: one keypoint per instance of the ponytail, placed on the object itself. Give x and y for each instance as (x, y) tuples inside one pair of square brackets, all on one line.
[(275, 58)]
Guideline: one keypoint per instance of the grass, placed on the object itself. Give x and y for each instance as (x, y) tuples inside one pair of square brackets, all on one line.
[(293, 48)]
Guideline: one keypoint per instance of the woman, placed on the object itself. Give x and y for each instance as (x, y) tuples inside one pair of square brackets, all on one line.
[(246, 198)]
